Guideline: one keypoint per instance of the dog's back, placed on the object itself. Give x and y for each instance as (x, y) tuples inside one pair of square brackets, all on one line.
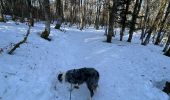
[(90, 76), (79, 76)]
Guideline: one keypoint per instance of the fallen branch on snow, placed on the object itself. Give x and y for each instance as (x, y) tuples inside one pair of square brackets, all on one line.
[(21, 42)]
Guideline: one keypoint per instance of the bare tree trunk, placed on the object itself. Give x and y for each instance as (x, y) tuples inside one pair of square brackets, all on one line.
[(31, 20), (112, 15), (41, 9), (82, 15), (59, 14), (134, 17), (12, 9), (124, 19), (167, 44), (1, 16), (1, 12), (98, 14), (46, 32), (71, 14), (156, 21), (167, 53), (158, 40), (145, 21), (22, 11)]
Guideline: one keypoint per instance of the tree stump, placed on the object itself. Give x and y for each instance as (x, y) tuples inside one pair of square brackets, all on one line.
[(45, 35)]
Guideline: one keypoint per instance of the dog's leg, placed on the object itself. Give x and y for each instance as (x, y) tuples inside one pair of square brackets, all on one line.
[(91, 91), (96, 88)]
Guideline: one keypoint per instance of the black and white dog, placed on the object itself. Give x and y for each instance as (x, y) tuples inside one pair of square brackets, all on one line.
[(90, 76)]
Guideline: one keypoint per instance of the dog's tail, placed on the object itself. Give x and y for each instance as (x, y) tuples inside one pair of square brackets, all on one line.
[(96, 85), (95, 88)]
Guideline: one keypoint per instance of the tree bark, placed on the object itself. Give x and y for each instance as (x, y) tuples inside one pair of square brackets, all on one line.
[(1, 12), (167, 44), (158, 40), (124, 19), (133, 20), (167, 53), (46, 32), (97, 14), (156, 21), (112, 13), (82, 14), (59, 14), (31, 20), (145, 21)]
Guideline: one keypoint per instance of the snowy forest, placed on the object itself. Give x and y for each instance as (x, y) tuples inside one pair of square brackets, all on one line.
[(126, 41)]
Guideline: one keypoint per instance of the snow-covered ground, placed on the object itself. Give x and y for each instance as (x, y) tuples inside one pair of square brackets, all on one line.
[(128, 71)]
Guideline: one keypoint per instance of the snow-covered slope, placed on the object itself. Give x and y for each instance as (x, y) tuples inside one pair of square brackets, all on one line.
[(128, 71)]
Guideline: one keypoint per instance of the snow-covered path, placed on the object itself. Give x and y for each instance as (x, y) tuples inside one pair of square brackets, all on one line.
[(128, 71)]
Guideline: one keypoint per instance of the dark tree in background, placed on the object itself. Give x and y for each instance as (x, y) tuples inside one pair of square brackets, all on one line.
[(1, 11), (162, 25), (145, 20), (134, 18), (112, 15), (30, 9), (155, 23), (59, 13), (46, 9), (98, 7), (166, 50), (151, 18), (82, 14), (125, 8)]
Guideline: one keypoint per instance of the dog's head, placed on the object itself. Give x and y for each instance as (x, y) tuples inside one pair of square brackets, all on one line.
[(61, 77)]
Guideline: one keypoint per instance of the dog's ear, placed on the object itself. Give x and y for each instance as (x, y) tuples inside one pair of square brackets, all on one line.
[(60, 77)]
